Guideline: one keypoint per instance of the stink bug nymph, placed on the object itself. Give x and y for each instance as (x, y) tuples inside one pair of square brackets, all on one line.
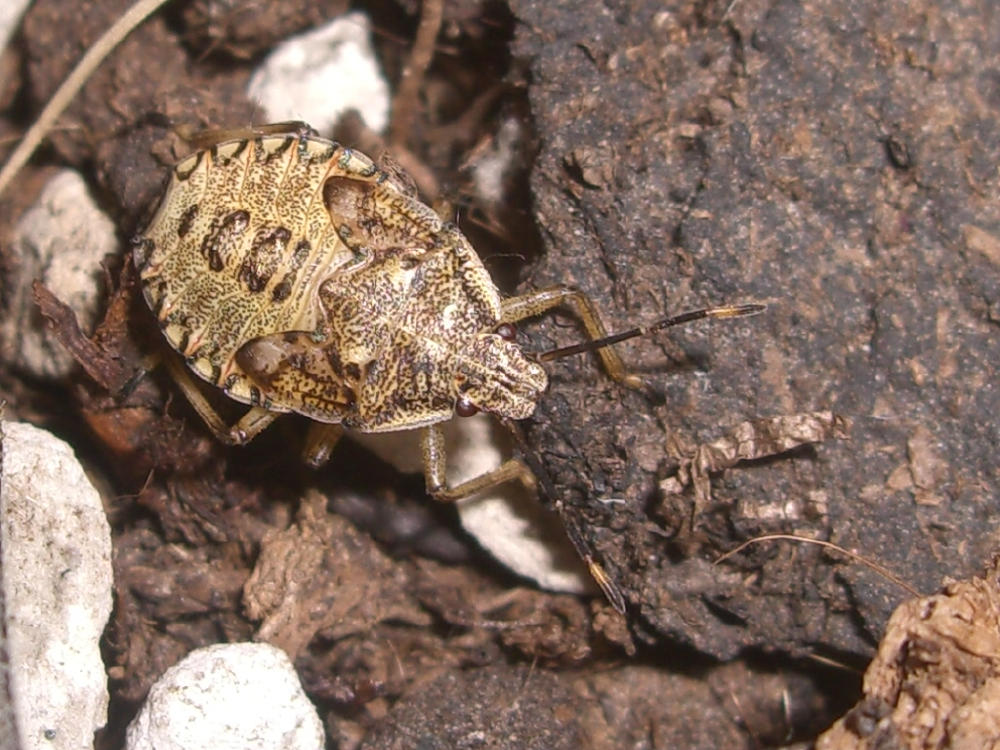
[(297, 276)]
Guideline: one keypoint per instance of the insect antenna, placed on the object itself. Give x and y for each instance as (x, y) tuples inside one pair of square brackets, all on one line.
[(548, 493), (547, 490), (726, 311)]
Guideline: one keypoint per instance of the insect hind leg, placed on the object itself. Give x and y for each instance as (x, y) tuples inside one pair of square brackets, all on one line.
[(435, 459), (249, 426), (203, 139)]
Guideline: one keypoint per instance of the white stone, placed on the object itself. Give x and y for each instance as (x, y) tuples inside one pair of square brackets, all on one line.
[(10, 17), (56, 582), (491, 170), (61, 240), (243, 696), (316, 76), (507, 522)]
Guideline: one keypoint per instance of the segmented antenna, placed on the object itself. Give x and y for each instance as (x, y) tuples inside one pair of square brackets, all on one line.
[(548, 492), (726, 311), (545, 486)]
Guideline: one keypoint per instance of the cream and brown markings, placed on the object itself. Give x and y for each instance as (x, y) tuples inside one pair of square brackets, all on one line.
[(240, 245), (297, 276)]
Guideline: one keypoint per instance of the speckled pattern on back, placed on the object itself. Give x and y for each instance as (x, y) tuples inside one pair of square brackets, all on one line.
[(295, 275)]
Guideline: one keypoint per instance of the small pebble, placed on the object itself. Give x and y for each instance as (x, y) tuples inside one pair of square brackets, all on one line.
[(243, 696), (317, 76), (55, 566), (61, 241), (10, 16)]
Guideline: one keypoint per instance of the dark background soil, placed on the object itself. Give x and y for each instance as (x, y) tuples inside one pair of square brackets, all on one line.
[(836, 160)]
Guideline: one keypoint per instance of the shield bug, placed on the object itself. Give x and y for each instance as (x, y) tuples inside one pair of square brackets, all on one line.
[(297, 276)]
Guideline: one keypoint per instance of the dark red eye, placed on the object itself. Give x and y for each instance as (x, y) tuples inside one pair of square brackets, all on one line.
[(465, 408), (507, 331)]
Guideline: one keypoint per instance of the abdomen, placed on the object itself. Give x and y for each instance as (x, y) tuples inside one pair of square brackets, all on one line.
[(239, 245)]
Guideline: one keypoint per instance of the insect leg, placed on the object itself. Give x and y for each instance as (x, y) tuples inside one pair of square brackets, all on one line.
[(437, 482), (250, 425), (321, 439), (542, 300), (202, 139), (246, 429)]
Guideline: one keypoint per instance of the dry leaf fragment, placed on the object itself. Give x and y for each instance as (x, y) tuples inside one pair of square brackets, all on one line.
[(935, 682), (322, 573), (748, 441), (100, 365)]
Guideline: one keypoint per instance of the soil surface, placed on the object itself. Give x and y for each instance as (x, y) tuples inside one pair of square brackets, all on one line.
[(833, 160)]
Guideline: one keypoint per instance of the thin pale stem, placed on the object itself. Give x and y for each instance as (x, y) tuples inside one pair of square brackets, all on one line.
[(72, 85)]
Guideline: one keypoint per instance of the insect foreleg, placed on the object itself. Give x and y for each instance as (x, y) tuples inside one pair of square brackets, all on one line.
[(435, 460), (542, 300)]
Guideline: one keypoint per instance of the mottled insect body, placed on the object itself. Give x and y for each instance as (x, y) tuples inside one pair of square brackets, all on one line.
[(295, 275)]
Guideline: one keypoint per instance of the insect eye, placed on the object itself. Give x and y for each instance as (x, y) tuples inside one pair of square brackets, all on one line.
[(507, 331), (465, 408)]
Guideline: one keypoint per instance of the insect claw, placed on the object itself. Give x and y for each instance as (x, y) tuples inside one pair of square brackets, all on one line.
[(236, 436), (129, 386), (530, 481)]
